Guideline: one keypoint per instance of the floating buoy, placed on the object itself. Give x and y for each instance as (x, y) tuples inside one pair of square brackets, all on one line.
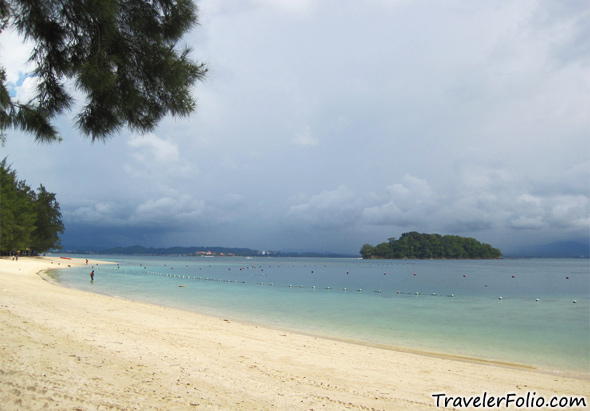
[(414, 273), (344, 289), (499, 298), (537, 300), (567, 278), (398, 292), (182, 286), (417, 293), (464, 275), (574, 301), (512, 276), (433, 293), (452, 295)]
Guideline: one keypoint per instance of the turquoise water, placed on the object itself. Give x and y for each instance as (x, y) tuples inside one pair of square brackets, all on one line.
[(396, 306)]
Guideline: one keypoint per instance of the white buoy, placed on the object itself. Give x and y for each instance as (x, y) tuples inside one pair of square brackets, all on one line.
[(433, 293), (344, 289), (537, 300), (574, 301), (499, 298)]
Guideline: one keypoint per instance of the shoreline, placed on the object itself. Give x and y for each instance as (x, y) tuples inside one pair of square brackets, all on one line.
[(498, 359), (442, 355), (66, 348)]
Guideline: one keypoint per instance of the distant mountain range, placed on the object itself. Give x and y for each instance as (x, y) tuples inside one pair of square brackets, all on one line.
[(560, 249), (198, 251)]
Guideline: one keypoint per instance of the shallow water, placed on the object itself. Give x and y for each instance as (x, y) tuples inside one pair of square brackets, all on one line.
[(396, 306)]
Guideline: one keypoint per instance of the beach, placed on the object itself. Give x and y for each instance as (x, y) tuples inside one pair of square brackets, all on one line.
[(62, 348)]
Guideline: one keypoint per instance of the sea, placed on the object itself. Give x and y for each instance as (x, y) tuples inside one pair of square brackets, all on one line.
[(528, 312)]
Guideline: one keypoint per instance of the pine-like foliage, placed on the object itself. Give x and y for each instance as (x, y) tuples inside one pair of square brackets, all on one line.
[(29, 221), (121, 54)]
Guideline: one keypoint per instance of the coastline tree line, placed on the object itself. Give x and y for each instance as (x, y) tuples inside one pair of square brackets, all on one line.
[(415, 245), (30, 221)]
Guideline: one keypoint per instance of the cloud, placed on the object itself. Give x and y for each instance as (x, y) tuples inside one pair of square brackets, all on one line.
[(101, 213), (304, 138), (328, 210), (327, 124), (14, 59), (158, 158), (169, 211), (297, 7), (409, 203), (151, 148), (25, 88)]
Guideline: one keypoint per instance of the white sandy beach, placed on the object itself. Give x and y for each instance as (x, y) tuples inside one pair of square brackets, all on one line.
[(70, 350)]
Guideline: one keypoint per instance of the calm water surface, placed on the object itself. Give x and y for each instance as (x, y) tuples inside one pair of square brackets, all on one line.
[(513, 310)]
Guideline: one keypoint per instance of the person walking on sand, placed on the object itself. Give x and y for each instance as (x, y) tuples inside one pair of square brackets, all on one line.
[(92, 276)]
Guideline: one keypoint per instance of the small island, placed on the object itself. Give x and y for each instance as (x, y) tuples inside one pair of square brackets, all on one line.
[(415, 245)]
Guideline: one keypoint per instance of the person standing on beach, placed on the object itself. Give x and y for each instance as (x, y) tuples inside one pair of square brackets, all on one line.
[(92, 276)]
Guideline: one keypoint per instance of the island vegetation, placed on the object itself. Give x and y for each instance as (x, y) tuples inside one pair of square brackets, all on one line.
[(416, 245)]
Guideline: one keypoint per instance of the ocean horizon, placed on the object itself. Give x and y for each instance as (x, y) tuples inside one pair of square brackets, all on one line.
[(526, 312)]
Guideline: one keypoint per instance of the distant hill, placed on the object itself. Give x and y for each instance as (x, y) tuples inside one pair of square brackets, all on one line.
[(559, 249)]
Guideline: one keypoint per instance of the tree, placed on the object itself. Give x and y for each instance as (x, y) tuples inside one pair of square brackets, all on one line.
[(367, 251), (16, 211), (122, 55), (48, 224), (28, 220)]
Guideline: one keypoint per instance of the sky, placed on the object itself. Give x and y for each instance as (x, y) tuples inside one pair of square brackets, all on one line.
[(323, 125)]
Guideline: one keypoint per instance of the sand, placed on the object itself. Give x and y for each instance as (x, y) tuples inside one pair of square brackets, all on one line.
[(71, 350)]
